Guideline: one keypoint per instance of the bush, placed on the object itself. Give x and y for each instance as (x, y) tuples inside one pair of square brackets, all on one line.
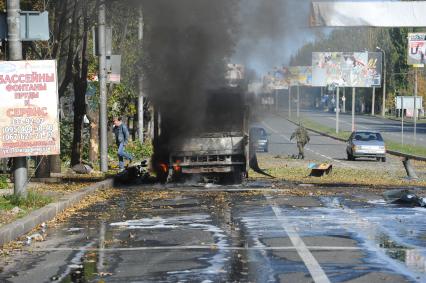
[(3, 182), (138, 150), (66, 131)]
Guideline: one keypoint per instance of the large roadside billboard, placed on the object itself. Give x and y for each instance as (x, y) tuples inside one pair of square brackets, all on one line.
[(29, 123), (346, 69), (416, 49)]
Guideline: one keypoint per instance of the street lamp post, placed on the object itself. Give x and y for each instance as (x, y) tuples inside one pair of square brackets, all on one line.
[(384, 81)]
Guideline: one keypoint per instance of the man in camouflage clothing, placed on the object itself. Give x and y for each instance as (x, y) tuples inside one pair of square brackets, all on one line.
[(302, 138)]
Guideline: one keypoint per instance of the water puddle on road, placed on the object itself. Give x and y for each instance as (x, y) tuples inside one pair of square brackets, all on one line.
[(391, 234), (215, 256), (366, 238)]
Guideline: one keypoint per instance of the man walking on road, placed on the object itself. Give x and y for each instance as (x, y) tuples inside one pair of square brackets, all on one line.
[(302, 138), (121, 139)]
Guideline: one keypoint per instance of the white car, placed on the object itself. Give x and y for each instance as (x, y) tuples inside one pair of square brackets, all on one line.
[(366, 144)]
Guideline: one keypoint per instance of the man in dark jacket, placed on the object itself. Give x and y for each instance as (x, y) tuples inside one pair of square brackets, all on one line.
[(121, 139)]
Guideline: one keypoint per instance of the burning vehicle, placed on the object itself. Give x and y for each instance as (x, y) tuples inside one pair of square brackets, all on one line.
[(220, 150)]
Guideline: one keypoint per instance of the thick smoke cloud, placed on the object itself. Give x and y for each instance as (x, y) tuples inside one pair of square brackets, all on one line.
[(271, 31), (187, 45)]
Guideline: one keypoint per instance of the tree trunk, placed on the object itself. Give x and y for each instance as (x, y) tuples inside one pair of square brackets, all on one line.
[(135, 126), (94, 137), (55, 163), (79, 107), (43, 167), (80, 88)]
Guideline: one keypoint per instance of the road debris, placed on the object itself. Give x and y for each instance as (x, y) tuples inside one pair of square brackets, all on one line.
[(411, 174), (318, 170), (82, 168), (134, 173), (36, 237), (404, 197), (254, 165)]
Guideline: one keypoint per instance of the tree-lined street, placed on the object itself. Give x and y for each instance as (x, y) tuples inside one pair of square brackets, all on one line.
[(260, 231), (207, 141)]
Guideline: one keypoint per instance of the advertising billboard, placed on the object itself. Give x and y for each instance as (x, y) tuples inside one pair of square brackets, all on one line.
[(300, 76), (29, 123), (235, 74), (416, 49), (346, 69), (375, 61), (276, 80)]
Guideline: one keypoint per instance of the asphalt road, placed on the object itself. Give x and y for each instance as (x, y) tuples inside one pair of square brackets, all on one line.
[(390, 129), (255, 232), (245, 233), (319, 149)]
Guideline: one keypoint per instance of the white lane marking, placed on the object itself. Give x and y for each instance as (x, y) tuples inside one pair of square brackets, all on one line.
[(100, 264), (317, 273), (202, 247), (308, 148)]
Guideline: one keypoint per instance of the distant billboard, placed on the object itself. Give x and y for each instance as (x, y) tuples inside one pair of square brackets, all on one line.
[(346, 69), (300, 76), (276, 80), (416, 49), (235, 74)]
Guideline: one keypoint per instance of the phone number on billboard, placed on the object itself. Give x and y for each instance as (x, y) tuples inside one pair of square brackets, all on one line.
[(20, 137), (28, 132), (28, 129)]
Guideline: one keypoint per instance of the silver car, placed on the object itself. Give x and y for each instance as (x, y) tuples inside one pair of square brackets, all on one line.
[(366, 144)]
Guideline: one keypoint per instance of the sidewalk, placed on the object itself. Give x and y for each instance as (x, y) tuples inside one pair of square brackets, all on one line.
[(64, 200)]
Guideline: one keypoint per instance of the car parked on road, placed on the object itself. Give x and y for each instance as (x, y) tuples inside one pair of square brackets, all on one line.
[(366, 144), (260, 139)]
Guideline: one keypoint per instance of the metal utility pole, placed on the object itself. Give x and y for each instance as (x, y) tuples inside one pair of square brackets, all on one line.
[(384, 81), (140, 98), (103, 120), (20, 172), (415, 106), (140, 111), (298, 102), (373, 100), (276, 100), (337, 110), (344, 100), (402, 120), (289, 101), (353, 109)]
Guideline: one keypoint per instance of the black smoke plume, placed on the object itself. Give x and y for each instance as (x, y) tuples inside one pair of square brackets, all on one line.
[(187, 44)]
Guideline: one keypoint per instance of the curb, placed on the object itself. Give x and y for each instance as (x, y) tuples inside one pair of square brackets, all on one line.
[(24, 225), (391, 152)]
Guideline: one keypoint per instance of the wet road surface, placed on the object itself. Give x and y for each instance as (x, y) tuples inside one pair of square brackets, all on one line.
[(259, 232)]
